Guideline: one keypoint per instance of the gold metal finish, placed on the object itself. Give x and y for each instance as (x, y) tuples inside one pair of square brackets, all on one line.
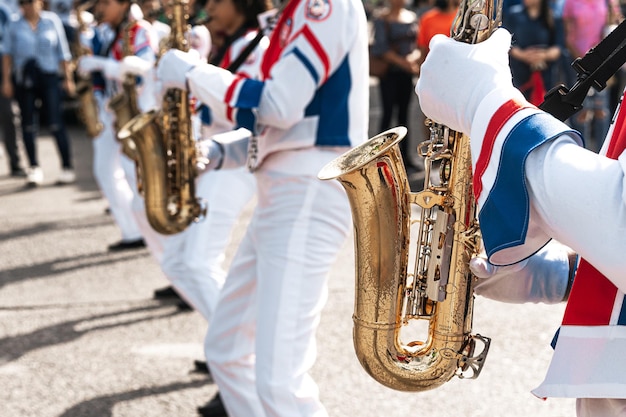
[(88, 106), (412, 329), (125, 104), (165, 150)]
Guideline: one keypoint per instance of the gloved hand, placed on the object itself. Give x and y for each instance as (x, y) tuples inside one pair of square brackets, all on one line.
[(210, 154), (457, 76), (173, 67), (542, 278), (90, 63), (134, 65)]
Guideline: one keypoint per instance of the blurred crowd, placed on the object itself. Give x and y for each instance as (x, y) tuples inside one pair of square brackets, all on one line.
[(548, 35)]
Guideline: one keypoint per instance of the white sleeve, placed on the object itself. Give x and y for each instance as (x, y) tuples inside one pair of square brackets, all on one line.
[(580, 198), (314, 49)]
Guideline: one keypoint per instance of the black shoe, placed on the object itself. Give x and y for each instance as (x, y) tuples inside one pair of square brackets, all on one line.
[(214, 408), (18, 173), (201, 367), (125, 245), (165, 293)]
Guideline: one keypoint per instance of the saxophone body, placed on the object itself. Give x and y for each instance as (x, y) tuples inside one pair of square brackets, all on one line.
[(165, 150), (125, 104), (88, 105), (412, 326)]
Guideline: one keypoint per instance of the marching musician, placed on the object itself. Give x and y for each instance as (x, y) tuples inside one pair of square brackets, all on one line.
[(534, 182), (309, 105), (125, 18), (193, 259), (107, 157)]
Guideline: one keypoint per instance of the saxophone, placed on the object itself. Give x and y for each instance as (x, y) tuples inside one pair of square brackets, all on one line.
[(412, 329), (166, 151), (125, 104), (88, 106)]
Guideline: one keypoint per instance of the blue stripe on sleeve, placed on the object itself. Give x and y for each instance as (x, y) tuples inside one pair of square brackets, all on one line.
[(205, 115), (250, 94), (307, 64), (621, 320), (246, 118), (505, 214)]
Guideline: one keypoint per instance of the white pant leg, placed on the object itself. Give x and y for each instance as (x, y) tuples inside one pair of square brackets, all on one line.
[(111, 178), (600, 407), (297, 230), (193, 259), (154, 240)]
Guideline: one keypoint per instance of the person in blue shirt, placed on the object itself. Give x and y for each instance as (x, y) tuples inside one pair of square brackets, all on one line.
[(7, 117), (35, 52)]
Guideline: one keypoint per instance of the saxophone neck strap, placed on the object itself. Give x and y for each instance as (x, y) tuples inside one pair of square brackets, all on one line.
[(254, 42), (594, 70)]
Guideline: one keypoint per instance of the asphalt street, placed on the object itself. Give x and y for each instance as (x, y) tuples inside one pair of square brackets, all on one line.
[(81, 336)]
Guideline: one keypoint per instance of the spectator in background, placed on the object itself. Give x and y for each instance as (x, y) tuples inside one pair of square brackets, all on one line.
[(395, 29), (436, 21), (7, 117), (537, 43), (63, 9), (584, 22), (36, 52)]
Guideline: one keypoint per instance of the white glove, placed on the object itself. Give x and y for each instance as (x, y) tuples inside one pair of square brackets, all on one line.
[(457, 76), (173, 68), (210, 155), (90, 63), (134, 65), (542, 278)]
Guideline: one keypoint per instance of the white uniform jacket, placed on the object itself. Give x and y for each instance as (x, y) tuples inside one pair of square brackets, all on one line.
[(309, 81)]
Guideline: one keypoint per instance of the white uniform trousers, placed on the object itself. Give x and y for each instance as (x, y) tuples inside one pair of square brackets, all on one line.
[(110, 176), (261, 343), (193, 259)]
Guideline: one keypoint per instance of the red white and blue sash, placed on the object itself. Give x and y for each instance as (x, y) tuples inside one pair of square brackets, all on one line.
[(588, 361)]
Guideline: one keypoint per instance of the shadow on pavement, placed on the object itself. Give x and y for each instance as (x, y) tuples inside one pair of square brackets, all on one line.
[(103, 406), (14, 347), (44, 227), (61, 266)]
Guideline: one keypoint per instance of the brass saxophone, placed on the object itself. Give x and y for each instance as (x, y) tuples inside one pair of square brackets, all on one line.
[(166, 151), (88, 106), (412, 330), (125, 104)]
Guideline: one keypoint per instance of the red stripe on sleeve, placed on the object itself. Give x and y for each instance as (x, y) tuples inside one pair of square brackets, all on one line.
[(318, 48), (230, 92), (498, 120), (618, 138)]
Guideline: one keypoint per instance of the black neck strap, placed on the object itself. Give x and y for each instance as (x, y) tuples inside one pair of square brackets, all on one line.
[(594, 70)]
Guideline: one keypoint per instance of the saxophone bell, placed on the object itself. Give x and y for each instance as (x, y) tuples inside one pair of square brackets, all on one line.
[(435, 299)]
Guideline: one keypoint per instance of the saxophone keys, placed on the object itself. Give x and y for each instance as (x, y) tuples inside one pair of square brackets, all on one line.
[(427, 199)]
